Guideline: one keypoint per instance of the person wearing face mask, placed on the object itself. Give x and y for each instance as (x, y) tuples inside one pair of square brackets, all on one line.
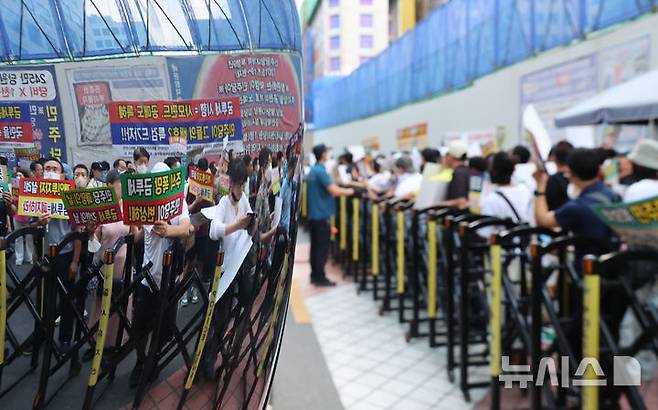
[(81, 176), (141, 157), (24, 248), (120, 165), (231, 216), (158, 238), (67, 262)]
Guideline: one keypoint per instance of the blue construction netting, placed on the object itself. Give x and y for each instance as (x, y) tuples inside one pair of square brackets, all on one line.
[(77, 29), (459, 42)]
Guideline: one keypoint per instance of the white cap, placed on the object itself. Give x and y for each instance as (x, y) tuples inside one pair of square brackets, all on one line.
[(457, 149), (645, 154)]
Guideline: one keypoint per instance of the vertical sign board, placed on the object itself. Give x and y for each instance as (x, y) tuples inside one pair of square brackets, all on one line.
[(33, 91), (148, 198)]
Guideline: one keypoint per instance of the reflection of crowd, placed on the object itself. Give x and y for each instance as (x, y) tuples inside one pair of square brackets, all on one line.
[(241, 184)]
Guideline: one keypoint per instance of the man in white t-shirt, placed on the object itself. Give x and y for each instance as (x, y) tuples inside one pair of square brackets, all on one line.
[(408, 182), (506, 199), (645, 164), (158, 239)]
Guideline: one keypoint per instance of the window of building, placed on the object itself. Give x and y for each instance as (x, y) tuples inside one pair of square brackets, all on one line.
[(366, 20), (334, 21), (334, 64), (99, 44), (366, 2), (106, 32), (97, 32), (364, 59), (367, 41), (334, 42), (108, 43), (334, 3)]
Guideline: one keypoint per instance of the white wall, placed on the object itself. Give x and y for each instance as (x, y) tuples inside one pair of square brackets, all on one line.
[(492, 101)]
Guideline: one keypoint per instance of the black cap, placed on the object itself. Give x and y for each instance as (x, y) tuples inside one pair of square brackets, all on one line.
[(318, 150)]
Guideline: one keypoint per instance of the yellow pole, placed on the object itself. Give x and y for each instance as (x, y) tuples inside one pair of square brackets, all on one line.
[(106, 300), (343, 223), (375, 240), (431, 269), (332, 225), (212, 300), (407, 15), (591, 331), (3, 300), (355, 229), (496, 285), (400, 252)]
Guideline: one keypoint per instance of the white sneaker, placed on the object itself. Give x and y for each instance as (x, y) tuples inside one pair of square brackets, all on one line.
[(183, 300), (58, 320), (195, 295)]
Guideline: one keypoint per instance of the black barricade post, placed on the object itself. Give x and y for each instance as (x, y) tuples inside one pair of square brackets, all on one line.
[(108, 276), (463, 309), (413, 277), (201, 342), (535, 320), (342, 231), (388, 264), (3, 302), (155, 343), (449, 241), (354, 265), (50, 309), (363, 241)]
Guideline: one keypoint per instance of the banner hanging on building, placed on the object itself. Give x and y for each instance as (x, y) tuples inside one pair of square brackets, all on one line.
[(172, 126), (42, 197), (33, 91), (635, 222), (96, 206), (202, 184), (409, 138), (148, 198)]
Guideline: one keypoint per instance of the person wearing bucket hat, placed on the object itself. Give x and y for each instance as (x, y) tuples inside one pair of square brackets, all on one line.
[(321, 206), (645, 168)]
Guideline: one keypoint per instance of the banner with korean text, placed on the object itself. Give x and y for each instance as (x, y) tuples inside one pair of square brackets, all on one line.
[(42, 197), (97, 206), (202, 184), (148, 198), (166, 128), (635, 222)]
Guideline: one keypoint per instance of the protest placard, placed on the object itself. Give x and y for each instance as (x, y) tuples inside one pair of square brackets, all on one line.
[(96, 206), (202, 184), (4, 174), (635, 222), (42, 197), (148, 198), (4, 187), (25, 156)]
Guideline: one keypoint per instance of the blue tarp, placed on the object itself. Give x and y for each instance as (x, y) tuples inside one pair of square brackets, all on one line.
[(460, 42), (76, 29)]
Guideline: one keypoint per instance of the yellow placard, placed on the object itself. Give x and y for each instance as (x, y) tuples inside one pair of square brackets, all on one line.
[(343, 223), (375, 240), (431, 269), (495, 320), (40, 206), (400, 252), (212, 299), (108, 272), (355, 229), (591, 333)]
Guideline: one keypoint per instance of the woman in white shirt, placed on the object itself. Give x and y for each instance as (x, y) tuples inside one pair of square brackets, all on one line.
[(506, 199)]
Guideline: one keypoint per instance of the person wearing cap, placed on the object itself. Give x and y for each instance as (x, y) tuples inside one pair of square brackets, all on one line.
[(459, 186), (645, 169), (321, 206), (158, 238)]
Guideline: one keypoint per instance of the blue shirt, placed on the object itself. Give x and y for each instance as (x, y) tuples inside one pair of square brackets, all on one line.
[(321, 205), (577, 217), (286, 203)]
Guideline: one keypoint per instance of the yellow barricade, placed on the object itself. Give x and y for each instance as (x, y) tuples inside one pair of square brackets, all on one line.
[(343, 223), (332, 225), (431, 269), (591, 332), (106, 301), (495, 321), (305, 200)]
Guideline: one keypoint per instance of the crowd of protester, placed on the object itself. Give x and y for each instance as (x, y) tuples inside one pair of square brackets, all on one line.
[(556, 193), (242, 184)]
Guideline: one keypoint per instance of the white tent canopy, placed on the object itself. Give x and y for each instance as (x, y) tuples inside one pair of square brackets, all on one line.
[(633, 102)]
